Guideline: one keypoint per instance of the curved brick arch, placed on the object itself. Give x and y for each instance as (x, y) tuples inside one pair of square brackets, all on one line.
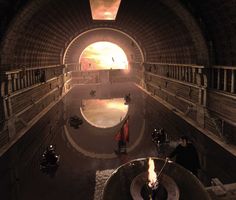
[(193, 28), (43, 29), (80, 42)]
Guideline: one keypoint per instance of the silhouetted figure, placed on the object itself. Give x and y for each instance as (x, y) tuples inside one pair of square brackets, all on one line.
[(50, 161), (75, 121), (127, 98), (121, 147), (122, 137), (92, 93), (186, 155), (159, 138), (121, 143)]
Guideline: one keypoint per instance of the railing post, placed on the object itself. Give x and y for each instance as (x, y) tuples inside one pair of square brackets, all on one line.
[(31, 77), (186, 74), (194, 76), (205, 84), (218, 79), (179, 74), (190, 75), (212, 77), (225, 79), (232, 81), (14, 81), (21, 80), (173, 72), (9, 84), (28, 78), (18, 81)]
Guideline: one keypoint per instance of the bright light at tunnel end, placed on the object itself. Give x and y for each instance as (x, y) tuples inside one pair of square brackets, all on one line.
[(103, 55)]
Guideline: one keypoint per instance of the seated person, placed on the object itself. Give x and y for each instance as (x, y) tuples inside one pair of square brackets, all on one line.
[(186, 155)]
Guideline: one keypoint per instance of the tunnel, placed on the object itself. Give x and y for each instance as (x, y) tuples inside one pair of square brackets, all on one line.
[(178, 75)]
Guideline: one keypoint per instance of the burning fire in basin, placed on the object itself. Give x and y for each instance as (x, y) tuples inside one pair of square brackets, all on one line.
[(150, 185), (152, 179), (152, 176)]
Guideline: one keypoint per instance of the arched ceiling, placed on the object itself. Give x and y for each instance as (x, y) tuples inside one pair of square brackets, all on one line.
[(78, 44), (217, 19), (166, 30)]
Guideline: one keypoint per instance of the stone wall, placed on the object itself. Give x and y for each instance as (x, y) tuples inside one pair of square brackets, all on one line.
[(22, 159), (99, 76)]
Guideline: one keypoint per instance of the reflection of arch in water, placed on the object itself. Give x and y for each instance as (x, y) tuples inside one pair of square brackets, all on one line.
[(104, 113), (103, 155)]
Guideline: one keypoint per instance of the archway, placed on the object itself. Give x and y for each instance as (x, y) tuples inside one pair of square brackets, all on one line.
[(103, 55)]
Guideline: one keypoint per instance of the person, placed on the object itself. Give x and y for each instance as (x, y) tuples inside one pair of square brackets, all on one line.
[(127, 98), (50, 155), (121, 146), (75, 121), (122, 137), (186, 155), (92, 93), (50, 161), (159, 137)]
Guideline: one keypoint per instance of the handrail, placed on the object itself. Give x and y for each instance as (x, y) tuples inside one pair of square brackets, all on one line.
[(173, 80), (67, 64), (18, 79), (222, 78), (223, 67), (23, 68), (173, 64)]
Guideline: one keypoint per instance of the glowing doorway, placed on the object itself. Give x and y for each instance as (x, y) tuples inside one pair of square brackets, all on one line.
[(103, 55)]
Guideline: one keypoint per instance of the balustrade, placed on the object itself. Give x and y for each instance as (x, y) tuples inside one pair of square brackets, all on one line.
[(25, 77), (181, 72), (222, 78)]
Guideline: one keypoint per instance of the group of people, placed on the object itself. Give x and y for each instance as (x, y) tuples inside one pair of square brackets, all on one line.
[(185, 153)]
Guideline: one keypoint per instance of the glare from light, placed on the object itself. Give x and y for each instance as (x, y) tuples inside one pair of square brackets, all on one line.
[(103, 55), (104, 9), (117, 105), (104, 113)]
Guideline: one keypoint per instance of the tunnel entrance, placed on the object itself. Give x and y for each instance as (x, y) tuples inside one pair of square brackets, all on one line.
[(103, 56)]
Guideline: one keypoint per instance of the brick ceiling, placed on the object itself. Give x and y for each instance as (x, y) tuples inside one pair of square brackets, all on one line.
[(36, 33)]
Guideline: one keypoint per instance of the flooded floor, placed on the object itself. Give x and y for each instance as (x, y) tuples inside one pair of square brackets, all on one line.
[(87, 154)]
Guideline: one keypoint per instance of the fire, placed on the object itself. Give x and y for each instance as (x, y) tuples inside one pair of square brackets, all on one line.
[(152, 176)]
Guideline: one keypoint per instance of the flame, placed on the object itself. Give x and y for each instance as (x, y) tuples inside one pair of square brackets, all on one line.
[(152, 176)]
